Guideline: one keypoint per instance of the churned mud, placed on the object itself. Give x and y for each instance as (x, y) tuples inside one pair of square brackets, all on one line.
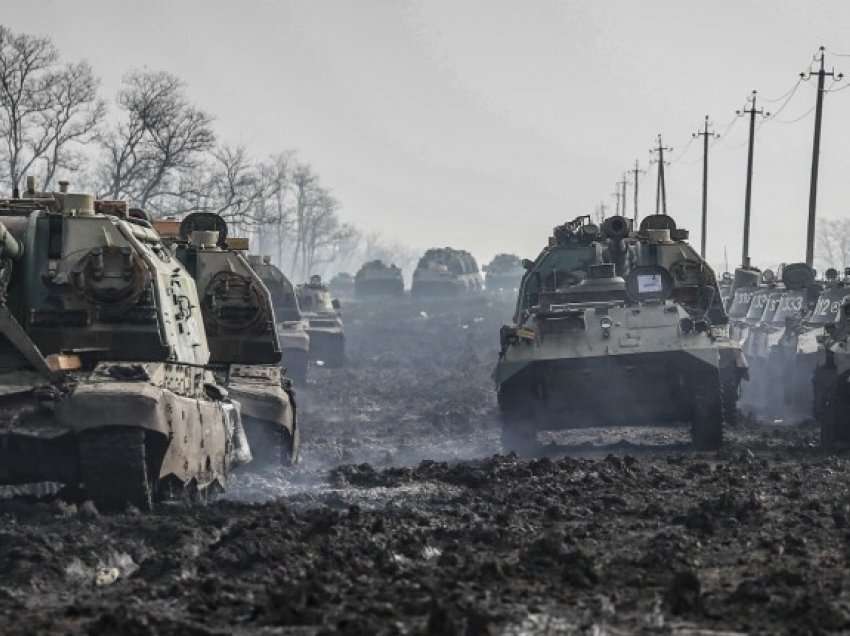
[(404, 519)]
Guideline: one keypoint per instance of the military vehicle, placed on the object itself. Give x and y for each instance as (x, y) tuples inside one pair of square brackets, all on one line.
[(614, 327), (291, 324), (744, 284), (327, 335), (726, 285), (446, 272), (796, 355), (503, 273), (375, 279), (831, 379), (104, 371), (761, 334), (342, 285), (240, 324)]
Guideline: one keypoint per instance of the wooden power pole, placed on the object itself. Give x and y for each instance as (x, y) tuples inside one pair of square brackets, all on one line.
[(660, 189), (705, 134), (752, 112), (813, 186), (636, 172)]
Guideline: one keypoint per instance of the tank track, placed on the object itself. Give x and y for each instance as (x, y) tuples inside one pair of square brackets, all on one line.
[(114, 468)]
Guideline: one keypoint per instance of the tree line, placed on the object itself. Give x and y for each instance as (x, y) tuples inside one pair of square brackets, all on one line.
[(159, 151)]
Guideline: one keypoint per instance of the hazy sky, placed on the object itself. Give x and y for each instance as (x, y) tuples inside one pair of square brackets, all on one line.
[(483, 124)]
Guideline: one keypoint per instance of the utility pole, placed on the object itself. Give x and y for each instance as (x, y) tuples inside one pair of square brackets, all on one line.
[(752, 112), (813, 187), (616, 194), (636, 171), (660, 189), (622, 184), (705, 134)]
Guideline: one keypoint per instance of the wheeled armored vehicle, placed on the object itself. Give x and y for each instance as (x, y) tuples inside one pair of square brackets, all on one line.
[(615, 327), (446, 272), (375, 279), (104, 376), (291, 324), (325, 327), (241, 330)]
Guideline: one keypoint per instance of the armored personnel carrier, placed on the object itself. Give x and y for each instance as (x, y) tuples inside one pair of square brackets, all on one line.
[(375, 280), (831, 379), (446, 272), (291, 324), (614, 327), (326, 331), (103, 359), (503, 273), (240, 324)]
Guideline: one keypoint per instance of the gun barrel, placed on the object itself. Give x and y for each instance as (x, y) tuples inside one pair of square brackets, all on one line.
[(10, 247)]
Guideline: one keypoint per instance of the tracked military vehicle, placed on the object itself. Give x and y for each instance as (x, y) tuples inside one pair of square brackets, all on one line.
[(291, 324), (326, 331), (342, 285), (376, 279), (240, 324), (446, 272), (614, 327), (503, 273), (744, 285), (104, 380)]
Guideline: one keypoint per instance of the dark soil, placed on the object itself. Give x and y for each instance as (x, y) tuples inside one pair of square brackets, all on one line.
[(403, 519)]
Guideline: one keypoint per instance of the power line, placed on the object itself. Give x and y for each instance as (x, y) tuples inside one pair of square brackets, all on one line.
[(796, 119), (789, 93), (684, 151)]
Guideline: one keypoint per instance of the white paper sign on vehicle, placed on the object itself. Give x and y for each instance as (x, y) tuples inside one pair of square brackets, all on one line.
[(650, 283)]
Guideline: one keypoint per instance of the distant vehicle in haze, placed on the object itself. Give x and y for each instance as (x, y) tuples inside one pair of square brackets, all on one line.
[(376, 279), (446, 272), (325, 326), (503, 273)]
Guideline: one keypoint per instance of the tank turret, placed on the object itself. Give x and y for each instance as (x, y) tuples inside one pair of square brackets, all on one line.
[(241, 329)]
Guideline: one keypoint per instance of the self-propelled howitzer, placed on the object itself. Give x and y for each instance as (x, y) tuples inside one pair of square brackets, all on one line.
[(103, 376), (615, 327), (239, 319)]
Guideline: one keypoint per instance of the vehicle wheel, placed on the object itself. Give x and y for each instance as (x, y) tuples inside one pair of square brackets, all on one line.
[(731, 391), (835, 412), (115, 470), (707, 422), (519, 430)]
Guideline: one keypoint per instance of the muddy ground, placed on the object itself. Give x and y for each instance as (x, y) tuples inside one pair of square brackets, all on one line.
[(402, 519)]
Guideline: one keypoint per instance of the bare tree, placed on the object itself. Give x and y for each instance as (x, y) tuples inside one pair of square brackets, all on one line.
[(833, 243), (160, 137), (45, 108)]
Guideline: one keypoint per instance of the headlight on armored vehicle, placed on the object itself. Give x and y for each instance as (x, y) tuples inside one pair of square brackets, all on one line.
[(686, 325), (605, 324)]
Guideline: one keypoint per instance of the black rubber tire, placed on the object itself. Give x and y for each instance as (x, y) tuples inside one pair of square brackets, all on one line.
[(730, 393), (707, 418), (114, 468), (519, 430)]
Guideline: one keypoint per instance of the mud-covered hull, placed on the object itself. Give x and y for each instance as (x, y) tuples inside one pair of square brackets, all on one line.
[(624, 390), (188, 439), (268, 414)]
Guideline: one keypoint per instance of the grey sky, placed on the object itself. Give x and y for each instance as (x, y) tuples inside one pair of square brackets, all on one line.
[(483, 124)]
